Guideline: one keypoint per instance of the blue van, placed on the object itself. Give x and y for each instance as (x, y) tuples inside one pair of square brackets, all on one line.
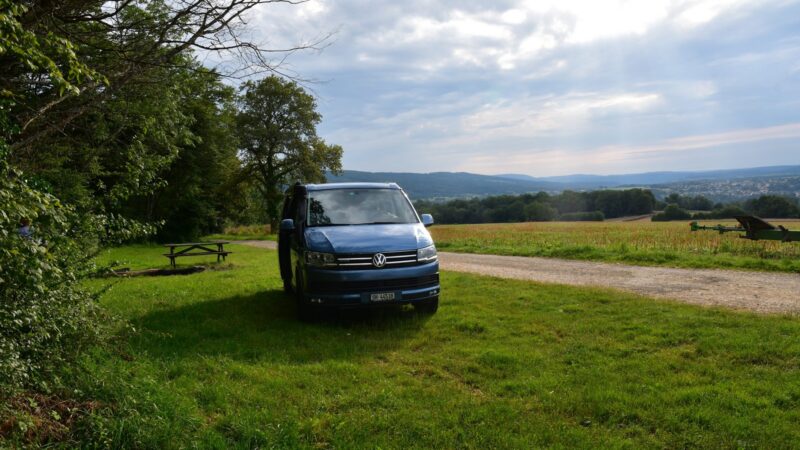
[(355, 245)]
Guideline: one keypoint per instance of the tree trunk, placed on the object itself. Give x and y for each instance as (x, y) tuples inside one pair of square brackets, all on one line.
[(272, 199)]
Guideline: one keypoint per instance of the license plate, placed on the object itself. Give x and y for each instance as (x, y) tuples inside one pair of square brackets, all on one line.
[(382, 297)]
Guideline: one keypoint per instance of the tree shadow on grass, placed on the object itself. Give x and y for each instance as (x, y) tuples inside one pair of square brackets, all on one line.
[(263, 327)]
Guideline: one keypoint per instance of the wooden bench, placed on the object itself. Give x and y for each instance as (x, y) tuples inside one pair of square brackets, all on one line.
[(197, 249)]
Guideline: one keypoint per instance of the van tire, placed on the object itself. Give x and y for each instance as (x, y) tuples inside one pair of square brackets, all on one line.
[(427, 306), (287, 287)]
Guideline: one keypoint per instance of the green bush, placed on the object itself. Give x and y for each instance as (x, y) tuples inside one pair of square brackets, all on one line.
[(46, 319), (672, 212), (594, 216), (540, 212), (726, 212)]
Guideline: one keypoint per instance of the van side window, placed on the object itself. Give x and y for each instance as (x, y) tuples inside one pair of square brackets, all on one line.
[(299, 209)]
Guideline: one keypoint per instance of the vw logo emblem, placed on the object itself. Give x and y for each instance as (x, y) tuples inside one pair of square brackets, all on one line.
[(379, 260)]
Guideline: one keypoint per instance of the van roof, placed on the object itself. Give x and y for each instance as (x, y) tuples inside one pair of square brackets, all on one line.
[(327, 186)]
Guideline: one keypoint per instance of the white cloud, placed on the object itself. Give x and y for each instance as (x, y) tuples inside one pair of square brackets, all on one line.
[(568, 113), (539, 85), (608, 159)]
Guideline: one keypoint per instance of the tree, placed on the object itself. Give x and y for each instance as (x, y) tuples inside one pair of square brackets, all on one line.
[(672, 212), (95, 105), (277, 129), (773, 206), (47, 318), (200, 187), (122, 42), (539, 211)]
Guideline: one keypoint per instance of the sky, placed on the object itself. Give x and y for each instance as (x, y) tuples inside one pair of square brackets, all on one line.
[(544, 87)]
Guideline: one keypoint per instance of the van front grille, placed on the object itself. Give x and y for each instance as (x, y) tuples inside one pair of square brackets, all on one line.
[(361, 261)]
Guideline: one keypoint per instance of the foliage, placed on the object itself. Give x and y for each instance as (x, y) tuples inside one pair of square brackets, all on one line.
[(696, 203), (510, 208), (127, 44), (143, 130), (278, 138), (773, 206), (593, 216), (201, 187), (46, 319), (721, 212), (637, 242), (540, 212), (221, 363), (672, 212), (49, 56)]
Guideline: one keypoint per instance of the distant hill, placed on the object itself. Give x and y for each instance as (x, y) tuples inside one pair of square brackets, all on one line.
[(449, 184), (719, 185), (651, 178)]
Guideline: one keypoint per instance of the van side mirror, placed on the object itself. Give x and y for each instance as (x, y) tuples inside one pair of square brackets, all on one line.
[(427, 219), (287, 225)]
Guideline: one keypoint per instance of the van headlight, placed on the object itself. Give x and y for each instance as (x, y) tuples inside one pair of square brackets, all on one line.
[(317, 259), (426, 254)]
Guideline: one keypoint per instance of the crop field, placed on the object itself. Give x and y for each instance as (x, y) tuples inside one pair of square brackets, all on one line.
[(217, 360), (640, 242)]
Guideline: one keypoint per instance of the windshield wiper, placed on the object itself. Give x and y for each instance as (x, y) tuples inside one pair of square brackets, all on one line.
[(382, 223)]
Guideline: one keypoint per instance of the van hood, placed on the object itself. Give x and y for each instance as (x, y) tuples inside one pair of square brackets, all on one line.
[(368, 238)]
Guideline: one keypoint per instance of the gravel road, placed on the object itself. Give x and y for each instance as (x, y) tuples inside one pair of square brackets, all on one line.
[(762, 292)]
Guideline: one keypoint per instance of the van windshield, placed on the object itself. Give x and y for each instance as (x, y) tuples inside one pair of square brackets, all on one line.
[(358, 207)]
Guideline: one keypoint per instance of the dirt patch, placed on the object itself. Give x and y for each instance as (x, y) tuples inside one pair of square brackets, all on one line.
[(41, 419), (762, 292), (126, 272)]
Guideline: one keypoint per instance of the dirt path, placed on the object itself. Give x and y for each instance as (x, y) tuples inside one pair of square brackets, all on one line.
[(762, 292)]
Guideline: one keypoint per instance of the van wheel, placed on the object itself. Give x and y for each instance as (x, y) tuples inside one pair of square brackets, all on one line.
[(287, 287), (304, 312), (427, 306)]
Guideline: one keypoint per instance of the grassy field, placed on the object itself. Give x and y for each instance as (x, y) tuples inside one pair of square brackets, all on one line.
[(217, 360), (642, 243)]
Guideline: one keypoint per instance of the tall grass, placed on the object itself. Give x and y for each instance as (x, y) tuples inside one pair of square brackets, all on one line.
[(244, 232), (665, 243)]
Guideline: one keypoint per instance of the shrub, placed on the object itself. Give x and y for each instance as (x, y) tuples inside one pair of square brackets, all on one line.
[(773, 206), (46, 318), (539, 212), (725, 212), (672, 212)]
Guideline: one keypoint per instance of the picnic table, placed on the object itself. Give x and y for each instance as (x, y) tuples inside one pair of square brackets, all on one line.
[(197, 249)]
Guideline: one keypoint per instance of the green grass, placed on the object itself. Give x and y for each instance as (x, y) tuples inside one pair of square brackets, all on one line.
[(640, 243), (217, 360)]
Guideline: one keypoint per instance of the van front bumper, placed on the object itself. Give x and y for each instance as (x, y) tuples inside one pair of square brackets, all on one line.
[(355, 288)]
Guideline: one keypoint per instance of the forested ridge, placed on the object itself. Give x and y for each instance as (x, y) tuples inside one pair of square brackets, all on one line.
[(600, 205)]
